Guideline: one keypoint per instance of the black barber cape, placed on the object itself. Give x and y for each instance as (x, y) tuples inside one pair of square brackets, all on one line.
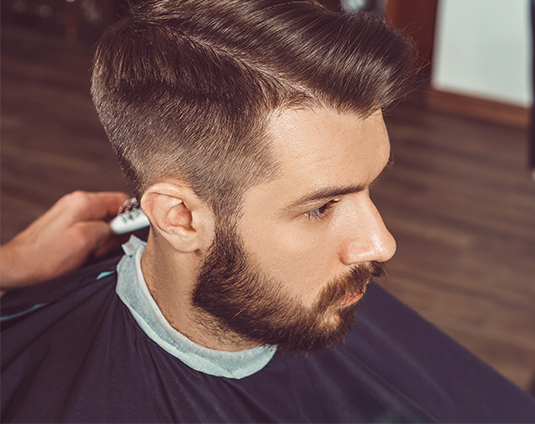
[(72, 352)]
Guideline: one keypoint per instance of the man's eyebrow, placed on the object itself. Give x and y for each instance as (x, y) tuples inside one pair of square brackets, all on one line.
[(331, 192), (324, 194)]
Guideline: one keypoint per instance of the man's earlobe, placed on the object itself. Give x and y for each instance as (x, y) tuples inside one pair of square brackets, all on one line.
[(177, 214)]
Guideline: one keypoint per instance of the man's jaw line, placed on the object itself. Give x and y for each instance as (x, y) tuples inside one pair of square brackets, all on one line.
[(329, 315)]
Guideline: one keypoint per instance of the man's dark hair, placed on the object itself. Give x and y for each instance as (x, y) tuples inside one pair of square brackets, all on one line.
[(185, 88)]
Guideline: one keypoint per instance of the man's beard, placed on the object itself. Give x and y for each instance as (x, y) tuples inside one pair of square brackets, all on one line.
[(245, 305)]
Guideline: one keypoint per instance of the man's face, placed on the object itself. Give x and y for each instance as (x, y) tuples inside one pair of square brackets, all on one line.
[(291, 272)]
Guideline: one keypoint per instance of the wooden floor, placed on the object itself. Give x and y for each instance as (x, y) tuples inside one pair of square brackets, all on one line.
[(459, 201)]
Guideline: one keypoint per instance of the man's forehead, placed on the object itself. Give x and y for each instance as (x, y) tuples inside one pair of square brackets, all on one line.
[(295, 124), (321, 150), (309, 139)]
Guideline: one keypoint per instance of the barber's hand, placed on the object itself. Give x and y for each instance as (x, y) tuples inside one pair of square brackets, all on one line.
[(61, 240)]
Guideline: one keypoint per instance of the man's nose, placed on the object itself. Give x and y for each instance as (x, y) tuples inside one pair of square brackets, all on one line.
[(368, 239)]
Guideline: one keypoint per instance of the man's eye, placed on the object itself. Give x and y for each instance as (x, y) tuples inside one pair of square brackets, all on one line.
[(321, 212)]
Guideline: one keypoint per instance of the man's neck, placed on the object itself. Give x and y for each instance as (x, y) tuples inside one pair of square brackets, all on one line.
[(171, 277)]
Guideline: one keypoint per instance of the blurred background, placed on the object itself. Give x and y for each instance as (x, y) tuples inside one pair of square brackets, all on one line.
[(460, 200)]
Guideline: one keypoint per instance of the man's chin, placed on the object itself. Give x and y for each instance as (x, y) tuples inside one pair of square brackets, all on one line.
[(328, 331)]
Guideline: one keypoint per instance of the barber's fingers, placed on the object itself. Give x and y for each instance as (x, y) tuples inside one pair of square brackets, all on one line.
[(104, 204), (86, 206), (87, 236)]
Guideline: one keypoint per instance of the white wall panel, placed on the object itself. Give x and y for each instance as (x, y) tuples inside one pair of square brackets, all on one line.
[(483, 48)]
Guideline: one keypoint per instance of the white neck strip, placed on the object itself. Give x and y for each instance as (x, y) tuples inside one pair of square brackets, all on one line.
[(133, 291)]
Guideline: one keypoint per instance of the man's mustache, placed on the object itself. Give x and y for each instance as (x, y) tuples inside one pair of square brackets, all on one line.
[(354, 282)]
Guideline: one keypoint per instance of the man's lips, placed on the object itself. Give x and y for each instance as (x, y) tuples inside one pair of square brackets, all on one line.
[(351, 298), (354, 296)]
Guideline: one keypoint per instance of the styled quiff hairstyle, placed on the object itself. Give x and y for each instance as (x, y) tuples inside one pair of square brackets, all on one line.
[(185, 88)]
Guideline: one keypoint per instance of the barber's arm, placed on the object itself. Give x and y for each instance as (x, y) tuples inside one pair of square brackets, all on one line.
[(61, 240)]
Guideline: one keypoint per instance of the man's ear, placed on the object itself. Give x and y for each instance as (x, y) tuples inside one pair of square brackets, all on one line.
[(179, 216)]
